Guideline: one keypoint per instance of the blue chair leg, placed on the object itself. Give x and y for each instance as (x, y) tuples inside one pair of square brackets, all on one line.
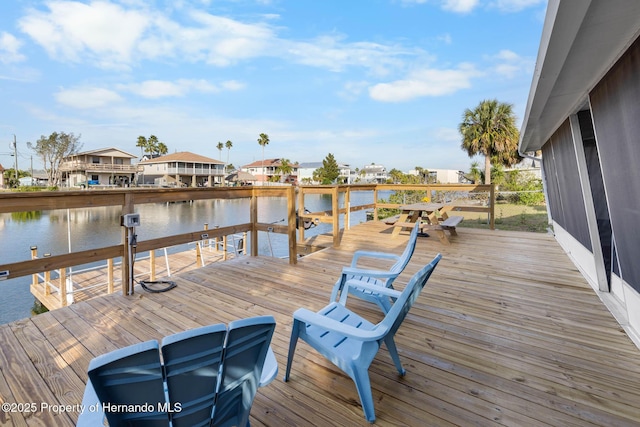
[(295, 333), (363, 385), (393, 351)]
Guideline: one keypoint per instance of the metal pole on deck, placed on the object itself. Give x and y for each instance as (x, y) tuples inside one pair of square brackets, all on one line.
[(69, 279)]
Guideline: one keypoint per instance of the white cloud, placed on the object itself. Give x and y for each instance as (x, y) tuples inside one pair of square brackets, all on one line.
[(509, 64), (155, 89), (515, 5), (466, 6), (98, 32), (87, 97), (460, 6), (352, 90), (335, 54), (457, 6), (425, 82), (447, 134), (9, 48), (111, 36)]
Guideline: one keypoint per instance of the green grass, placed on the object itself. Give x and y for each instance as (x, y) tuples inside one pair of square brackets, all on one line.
[(509, 217)]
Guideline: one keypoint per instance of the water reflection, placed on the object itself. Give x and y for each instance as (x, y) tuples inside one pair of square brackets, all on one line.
[(26, 216)]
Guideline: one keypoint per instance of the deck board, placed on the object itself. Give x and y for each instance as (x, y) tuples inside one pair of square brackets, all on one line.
[(506, 332)]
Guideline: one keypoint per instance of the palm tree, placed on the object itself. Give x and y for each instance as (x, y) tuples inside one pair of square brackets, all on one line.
[(285, 169), (162, 148), (220, 146), (152, 144), (142, 143), (475, 173), (228, 144), (263, 140), (490, 130)]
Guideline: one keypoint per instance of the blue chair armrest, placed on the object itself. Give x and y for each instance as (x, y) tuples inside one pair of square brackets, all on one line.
[(376, 274), (92, 414), (365, 286), (309, 317), (370, 254), (269, 369)]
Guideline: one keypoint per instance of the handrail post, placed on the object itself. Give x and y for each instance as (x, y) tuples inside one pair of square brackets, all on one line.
[(199, 260), (492, 207), (224, 247), (63, 287), (253, 215), (110, 275), (347, 213), (291, 224), (47, 278), (34, 255), (244, 243), (375, 203), (335, 211), (301, 209)]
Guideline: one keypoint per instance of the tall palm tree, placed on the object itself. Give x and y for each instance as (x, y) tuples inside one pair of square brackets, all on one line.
[(142, 143), (228, 144), (263, 140), (490, 130), (162, 148), (220, 146), (152, 144)]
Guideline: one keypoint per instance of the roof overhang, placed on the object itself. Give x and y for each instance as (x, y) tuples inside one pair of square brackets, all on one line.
[(581, 40)]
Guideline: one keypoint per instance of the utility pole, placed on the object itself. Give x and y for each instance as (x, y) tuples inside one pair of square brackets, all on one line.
[(15, 153)]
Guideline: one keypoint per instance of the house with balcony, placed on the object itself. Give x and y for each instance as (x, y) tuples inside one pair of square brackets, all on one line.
[(582, 113), (103, 167), (265, 171), (374, 173), (306, 171), (182, 169)]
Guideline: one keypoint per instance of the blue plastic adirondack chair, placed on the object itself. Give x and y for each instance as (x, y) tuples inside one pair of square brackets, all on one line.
[(125, 378), (204, 370), (192, 362), (350, 341), (375, 277), (246, 350)]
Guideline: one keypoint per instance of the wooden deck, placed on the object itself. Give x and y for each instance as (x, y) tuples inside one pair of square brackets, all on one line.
[(507, 332)]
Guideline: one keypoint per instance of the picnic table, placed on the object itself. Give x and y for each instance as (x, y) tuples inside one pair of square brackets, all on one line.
[(410, 214)]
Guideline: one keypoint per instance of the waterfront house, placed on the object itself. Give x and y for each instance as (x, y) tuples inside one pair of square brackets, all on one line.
[(583, 114), (306, 170), (374, 173), (104, 167), (1, 176), (269, 168), (181, 169)]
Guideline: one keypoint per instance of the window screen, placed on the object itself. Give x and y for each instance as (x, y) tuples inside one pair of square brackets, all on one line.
[(615, 108)]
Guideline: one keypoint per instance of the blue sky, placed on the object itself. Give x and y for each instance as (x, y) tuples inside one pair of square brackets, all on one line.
[(370, 81)]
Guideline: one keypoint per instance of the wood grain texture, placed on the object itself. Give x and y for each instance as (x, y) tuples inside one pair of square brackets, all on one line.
[(506, 332)]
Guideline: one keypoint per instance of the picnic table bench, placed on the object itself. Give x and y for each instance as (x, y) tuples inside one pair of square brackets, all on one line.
[(446, 224), (437, 220)]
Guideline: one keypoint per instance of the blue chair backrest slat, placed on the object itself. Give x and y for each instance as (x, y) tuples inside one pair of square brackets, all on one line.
[(401, 307)]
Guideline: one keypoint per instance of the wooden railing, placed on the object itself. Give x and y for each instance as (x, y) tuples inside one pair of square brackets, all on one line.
[(128, 199), (335, 191)]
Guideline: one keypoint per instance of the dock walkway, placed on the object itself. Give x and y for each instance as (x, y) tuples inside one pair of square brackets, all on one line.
[(507, 332)]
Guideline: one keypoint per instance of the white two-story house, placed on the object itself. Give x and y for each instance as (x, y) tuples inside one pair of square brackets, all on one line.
[(102, 167), (182, 169)]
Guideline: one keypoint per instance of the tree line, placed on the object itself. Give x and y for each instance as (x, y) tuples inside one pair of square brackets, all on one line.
[(488, 130)]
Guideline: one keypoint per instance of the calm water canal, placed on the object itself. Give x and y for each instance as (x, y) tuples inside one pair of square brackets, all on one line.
[(60, 231)]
